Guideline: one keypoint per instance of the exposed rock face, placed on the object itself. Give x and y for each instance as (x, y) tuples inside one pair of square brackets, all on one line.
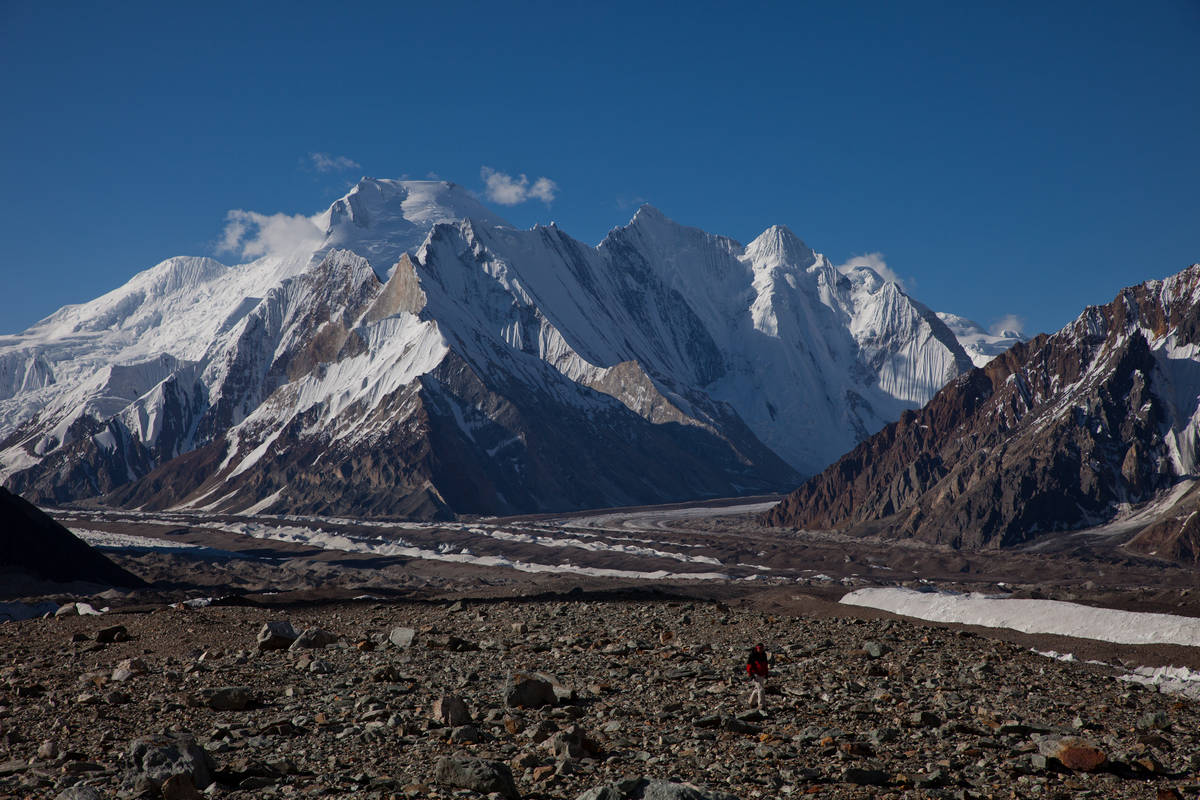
[(1057, 433), (32, 542)]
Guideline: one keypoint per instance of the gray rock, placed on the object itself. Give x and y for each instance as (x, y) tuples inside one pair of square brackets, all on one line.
[(876, 649), (476, 774), (643, 789), (1154, 721), (313, 638), (159, 757), (79, 793), (465, 734), (276, 635), (571, 743), (402, 637)]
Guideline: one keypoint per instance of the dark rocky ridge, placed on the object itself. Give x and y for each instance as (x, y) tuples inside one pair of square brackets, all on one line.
[(1054, 434), (34, 544)]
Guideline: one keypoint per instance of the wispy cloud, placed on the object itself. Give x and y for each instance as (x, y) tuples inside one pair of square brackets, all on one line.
[(252, 235), (876, 262), (323, 162), (1008, 324), (625, 202), (509, 191)]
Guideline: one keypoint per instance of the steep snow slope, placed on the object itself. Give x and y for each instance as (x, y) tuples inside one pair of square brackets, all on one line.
[(491, 351)]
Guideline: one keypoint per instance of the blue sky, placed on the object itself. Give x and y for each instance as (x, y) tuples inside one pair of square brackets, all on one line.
[(1005, 159)]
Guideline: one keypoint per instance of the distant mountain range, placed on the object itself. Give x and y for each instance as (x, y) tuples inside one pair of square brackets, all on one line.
[(426, 358), (1058, 433)]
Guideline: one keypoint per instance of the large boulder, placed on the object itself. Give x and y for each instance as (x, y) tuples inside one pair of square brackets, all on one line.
[(476, 774), (313, 638), (160, 757), (228, 698), (1073, 753), (402, 637), (648, 789), (276, 635), (528, 690)]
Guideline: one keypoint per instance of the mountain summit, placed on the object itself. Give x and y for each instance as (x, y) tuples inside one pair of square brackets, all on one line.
[(426, 358), (382, 219)]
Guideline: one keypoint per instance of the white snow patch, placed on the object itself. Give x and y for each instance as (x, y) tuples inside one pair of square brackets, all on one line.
[(265, 503), (1033, 616)]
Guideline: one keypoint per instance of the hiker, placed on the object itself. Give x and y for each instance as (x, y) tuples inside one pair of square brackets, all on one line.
[(756, 668)]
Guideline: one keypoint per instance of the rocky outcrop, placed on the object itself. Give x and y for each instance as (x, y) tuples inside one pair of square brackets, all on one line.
[(34, 544), (1057, 433)]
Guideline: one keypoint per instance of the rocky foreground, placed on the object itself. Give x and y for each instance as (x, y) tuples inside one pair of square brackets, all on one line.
[(633, 699)]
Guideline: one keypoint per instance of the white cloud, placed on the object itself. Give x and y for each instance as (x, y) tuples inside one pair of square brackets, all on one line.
[(876, 262), (1008, 323), (543, 189), (251, 235), (509, 191), (323, 162)]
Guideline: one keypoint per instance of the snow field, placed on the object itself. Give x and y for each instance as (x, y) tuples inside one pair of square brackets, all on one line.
[(1033, 616)]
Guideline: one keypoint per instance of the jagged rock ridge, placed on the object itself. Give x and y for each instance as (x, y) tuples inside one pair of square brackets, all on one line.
[(1061, 432)]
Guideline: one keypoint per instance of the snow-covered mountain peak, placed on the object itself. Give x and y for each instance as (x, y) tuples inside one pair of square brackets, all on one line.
[(778, 247), (484, 343), (382, 219), (376, 200), (980, 345), (177, 276), (648, 215), (863, 278)]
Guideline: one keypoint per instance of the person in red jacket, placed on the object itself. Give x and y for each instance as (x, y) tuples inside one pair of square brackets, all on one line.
[(757, 669)]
